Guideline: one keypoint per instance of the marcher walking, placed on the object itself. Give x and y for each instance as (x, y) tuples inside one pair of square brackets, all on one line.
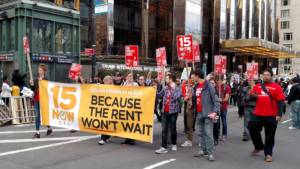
[(267, 112)]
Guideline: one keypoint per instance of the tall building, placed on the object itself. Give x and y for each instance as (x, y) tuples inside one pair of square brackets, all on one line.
[(289, 13), (52, 28), (243, 30)]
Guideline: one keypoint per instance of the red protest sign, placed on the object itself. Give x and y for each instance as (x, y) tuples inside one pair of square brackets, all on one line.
[(75, 71), (26, 45), (196, 51), (220, 64), (131, 55), (160, 73), (89, 51), (184, 47), (161, 56), (252, 71)]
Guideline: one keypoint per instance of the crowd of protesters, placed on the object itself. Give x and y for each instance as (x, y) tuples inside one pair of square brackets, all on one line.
[(204, 103)]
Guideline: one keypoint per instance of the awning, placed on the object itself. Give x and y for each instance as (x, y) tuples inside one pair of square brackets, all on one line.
[(258, 47)]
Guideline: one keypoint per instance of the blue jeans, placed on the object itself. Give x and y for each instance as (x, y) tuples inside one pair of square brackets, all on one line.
[(37, 116), (295, 109), (224, 122), (206, 134)]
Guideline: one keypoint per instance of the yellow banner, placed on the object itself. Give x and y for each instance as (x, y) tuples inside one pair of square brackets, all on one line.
[(102, 109)]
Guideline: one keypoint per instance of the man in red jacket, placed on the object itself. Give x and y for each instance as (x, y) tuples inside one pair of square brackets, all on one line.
[(268, 111)]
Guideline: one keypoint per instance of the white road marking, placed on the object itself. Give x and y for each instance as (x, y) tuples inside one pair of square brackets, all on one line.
[(286, 121), (31, 131), (23, 125), (42, 139), (159, 164), (45, 146)]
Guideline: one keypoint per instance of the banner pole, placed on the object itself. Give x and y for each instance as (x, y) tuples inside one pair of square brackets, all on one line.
[(29, 67)]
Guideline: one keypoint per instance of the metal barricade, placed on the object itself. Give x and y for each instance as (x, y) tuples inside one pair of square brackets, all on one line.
[(20, 111)]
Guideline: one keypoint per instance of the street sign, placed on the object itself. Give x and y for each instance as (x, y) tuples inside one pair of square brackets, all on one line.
[(184, 47), (89, 51), (131, 55), (220, 64), (161, 56)]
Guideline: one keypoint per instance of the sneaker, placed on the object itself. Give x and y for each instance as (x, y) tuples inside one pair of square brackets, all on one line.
[(49, 132), (211, 158), (36, 135), (174, 148), (255, 152), (187, 144), (269, 159), (224, 138), (245, 137), (292, 128), (161, 151), (216, 142), (101, 142), (200, 153)]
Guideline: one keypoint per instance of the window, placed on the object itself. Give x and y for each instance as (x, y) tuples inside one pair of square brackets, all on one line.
[(285, 24), (288, 36), (285, 13), (288, 45), (41, 35), (285, 2), (63, 39)]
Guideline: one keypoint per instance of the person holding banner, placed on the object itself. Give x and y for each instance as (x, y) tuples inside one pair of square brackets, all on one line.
[(171, 95), (267, 113), (42, 69), (107, 80), (129, 82), (207, 105)]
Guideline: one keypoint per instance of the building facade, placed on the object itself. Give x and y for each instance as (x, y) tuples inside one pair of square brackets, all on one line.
[(288, 12), (220, 26), (53, 33)]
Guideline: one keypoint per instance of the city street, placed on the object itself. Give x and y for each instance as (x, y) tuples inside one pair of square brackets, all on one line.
[(66, 150)]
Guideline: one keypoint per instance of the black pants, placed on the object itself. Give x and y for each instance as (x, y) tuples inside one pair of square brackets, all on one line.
[(255, 128), (169, 122), (241, 111), (217, 130), (184, 116)]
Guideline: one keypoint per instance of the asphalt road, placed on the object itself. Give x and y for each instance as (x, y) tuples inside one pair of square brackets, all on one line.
[(66, 150)]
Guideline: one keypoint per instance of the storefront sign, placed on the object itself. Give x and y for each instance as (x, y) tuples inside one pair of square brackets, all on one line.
[(38, 57), (7, 57)]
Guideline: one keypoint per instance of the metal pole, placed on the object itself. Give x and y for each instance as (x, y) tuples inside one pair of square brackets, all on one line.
[(93, 64)]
